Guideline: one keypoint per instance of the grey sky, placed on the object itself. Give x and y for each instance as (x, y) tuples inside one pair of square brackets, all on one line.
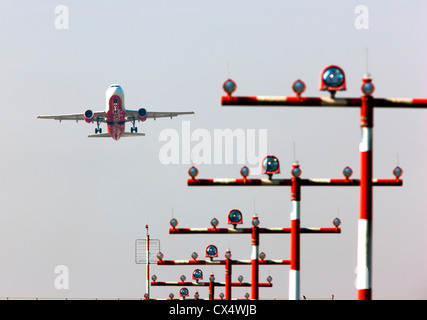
[(70, 200)]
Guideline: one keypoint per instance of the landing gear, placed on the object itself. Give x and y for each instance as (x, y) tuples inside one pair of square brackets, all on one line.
[(98, 129), (133, 129)]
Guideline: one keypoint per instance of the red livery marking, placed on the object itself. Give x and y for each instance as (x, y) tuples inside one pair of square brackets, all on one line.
[(115, 117)]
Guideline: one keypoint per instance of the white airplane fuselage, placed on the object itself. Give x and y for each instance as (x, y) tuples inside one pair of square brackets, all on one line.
[(115, 110)]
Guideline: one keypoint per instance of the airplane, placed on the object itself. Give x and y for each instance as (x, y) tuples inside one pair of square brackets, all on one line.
[(115, 115)]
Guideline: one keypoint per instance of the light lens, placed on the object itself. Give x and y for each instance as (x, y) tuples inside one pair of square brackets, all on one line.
[(298, 87), (368, 88), (296, 171), (336, 222), (214, 222), (333, 77), (173, 222), (197, 274), (397, 172), (255, 222), (244, 171), (193, 172), (347, 172), (270, 164), (229, 86)]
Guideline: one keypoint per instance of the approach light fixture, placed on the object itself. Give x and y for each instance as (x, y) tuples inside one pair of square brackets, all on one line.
[(211, 251), (332, 79), (214, 222), (197, 275), (229, 87), (398, 172), (193, 172), (235, 217), (296, 170), (368, 87), (347, 172), (299, 87), (270, 165), (255, 221), (194, 255), (183, 292), (336, 222), (244, 172), (173, 222)]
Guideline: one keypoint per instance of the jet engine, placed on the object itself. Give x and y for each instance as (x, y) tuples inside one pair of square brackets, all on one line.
[(142, 114), (88, 116)]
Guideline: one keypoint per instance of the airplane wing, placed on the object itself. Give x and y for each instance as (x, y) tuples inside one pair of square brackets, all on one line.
[(107, 135), (101, 116), (133, 114)]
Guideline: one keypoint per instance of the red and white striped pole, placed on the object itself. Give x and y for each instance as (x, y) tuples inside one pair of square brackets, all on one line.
[(364, 241), (254, 259), (294, 271)]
